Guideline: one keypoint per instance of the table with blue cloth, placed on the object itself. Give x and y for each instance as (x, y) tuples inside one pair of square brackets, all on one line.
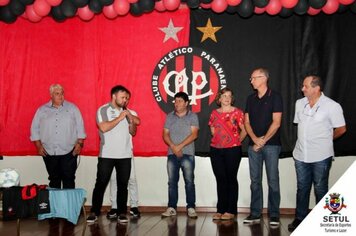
[(65, 203)]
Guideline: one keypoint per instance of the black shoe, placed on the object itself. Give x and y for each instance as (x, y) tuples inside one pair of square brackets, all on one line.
[(135, 212), (292, 226), (274, 221), (252, 219), (92, 218), (122, 219), (112, 214)]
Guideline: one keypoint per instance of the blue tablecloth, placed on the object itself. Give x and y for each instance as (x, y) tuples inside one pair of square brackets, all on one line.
[(65, 203)]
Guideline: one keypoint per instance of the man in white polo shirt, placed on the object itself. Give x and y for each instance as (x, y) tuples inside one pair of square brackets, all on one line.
[(320, 120), (132, 184), (116, 127)]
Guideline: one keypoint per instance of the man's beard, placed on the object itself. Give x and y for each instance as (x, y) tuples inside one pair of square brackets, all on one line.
[(120, 105)]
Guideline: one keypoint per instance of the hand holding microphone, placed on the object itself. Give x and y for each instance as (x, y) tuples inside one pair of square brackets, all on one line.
[(127, 118)]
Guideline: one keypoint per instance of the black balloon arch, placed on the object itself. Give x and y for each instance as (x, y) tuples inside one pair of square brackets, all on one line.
[(60, 10)]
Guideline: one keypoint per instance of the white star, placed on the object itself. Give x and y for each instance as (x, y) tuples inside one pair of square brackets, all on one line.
[(171, 31)]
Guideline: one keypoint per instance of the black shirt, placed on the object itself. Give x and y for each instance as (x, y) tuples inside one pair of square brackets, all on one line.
[(260, 111)]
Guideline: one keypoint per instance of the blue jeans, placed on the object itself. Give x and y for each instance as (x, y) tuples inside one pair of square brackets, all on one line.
[(187, 164), (316, 173), (270, 155)]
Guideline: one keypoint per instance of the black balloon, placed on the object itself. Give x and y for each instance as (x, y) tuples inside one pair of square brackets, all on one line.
[(193, 3), (57, 14), (353, 7), (27, 2), (231, 9), (286, 12), (245, 8), (106, 2), (68, 8), (302, 7), (95, 6), (135, 9), (6, 15), (317, 4), (205, 1), (16, 7), (147, 5), (80, 3), (342, 8), (260, 3)]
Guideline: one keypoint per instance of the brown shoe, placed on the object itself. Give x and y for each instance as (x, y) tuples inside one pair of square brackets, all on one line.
[(227, 216), (217, 216)]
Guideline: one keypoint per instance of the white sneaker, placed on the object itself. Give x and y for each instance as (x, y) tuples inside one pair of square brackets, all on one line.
[(169, 212), (192, 213), (92, 218)]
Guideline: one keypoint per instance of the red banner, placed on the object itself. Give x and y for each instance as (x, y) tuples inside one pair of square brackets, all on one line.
[(88, 59)]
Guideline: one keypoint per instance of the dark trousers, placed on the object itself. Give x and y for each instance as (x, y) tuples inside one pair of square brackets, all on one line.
[(225, 163), (61, 169), (104, 170)]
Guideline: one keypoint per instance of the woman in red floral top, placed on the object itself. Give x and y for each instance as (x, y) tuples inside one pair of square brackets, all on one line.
[(227, 129)]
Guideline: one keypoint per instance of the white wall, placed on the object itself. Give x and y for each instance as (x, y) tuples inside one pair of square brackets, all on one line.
[(152, 179)]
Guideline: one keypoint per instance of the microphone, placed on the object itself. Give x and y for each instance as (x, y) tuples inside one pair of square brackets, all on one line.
[(127, 118)]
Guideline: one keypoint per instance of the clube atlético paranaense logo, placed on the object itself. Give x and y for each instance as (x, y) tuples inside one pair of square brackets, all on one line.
[(187, 69)]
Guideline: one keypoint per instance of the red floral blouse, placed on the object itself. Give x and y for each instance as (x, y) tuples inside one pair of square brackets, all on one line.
[(226, 128)]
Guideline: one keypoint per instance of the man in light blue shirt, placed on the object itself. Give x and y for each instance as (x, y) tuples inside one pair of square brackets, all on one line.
[(58, 133)]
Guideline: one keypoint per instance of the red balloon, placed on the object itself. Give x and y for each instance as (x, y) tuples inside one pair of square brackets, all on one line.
[(132, 1), (121, 7), (31, 14), (41, 7), (233, 2), (205, 5), (346, 2), (4, 2), (331, 6), (273, 7), (260, 10), (171, 5), (289, 3), (312, 11), (85, 13), (219, 6), (54, 3), (109, 11), (159, 6), (24, 15)]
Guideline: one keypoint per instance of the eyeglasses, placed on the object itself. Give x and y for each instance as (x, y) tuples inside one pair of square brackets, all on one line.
[(311, 112), (256, 77)]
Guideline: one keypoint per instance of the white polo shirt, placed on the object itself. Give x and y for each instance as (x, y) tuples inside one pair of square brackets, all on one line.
[(316, 128), (117, 142)]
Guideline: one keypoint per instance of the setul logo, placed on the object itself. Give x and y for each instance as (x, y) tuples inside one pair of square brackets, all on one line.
[(191, 70), (335, 204), (335, 222)]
